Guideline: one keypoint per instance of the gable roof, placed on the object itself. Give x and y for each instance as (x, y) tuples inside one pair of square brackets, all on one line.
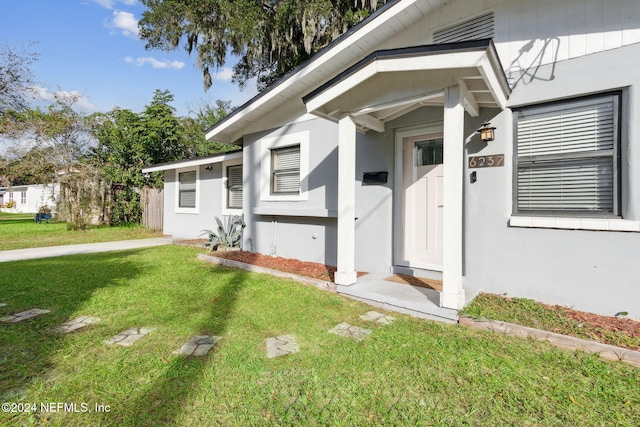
[(345, 51), (390, 83)]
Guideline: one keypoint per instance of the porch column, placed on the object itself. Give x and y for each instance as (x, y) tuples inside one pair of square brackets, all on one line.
[(346, 274), (452, 295)]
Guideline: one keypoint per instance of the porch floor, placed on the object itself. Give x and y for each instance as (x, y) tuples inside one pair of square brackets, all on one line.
[(418, 302)]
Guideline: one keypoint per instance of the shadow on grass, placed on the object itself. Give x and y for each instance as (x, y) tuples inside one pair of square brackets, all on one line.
[(61, 285), (163, 401)]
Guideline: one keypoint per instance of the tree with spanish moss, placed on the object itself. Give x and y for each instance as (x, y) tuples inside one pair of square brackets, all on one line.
[(16, 78), (271, 37)]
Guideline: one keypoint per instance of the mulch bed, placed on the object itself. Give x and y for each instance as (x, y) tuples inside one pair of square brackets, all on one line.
[(302, 268), (599, 327)]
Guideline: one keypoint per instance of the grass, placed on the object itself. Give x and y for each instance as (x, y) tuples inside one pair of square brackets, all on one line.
[(412, 372), (526, 312), (17, 232)]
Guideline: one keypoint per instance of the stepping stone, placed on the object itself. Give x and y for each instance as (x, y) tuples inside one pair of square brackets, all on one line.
[(374, 316), (25, 315), (281, 346), (197, 346), (128, 337), (76, 324), (346, 330)]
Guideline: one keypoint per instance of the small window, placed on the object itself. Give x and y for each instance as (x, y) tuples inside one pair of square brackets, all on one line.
[(567, 157), (285, 166), (11, 196), (187, 189), (429, 152), (23, 197), (234, 187)]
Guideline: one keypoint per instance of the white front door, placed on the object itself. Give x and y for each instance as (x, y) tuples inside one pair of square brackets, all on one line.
[(422, 179)]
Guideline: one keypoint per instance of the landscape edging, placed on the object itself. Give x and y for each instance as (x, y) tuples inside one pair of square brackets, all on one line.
[(606, 351), (320, 284)]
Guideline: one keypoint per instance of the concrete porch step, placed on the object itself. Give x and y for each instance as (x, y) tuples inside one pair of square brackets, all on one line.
[(419, 302)]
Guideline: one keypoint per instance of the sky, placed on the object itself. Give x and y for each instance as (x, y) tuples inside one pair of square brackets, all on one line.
[(91, 48)]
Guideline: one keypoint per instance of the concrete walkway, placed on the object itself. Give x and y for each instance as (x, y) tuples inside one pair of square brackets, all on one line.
[(55, 251)]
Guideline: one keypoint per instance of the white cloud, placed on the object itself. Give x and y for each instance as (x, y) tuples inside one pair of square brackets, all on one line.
[(108, 4), (155, 63), (79, 101), (124, 22), (224, 74)]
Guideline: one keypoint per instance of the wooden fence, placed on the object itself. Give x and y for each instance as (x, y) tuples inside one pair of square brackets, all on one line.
[(152, 201)]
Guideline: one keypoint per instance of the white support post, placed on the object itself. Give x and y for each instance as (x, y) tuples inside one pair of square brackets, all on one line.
[(346, 274), (452, 295)]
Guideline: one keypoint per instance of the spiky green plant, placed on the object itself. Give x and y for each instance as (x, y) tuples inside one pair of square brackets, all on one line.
[(228, 234)]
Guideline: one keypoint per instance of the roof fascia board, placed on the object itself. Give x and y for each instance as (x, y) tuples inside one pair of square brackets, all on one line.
[(194, 162)]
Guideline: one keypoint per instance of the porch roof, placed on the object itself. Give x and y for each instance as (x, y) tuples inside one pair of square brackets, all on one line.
[(390, 83)]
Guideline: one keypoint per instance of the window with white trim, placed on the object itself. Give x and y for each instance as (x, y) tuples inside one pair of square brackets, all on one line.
[(567, 158), (23, 197), (285, 170), (11, 196), (234, 187), (187, 190), (288, 186)]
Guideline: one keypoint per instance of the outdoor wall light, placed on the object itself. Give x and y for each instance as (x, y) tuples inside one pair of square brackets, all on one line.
[(486, 132), (209, 168)]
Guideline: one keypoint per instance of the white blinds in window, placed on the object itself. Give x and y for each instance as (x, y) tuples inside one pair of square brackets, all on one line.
[(480, 27), (234, 184), (566, 157), (286, 170), (187, 193)]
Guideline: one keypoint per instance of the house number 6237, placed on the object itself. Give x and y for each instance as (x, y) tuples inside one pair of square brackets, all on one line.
[(495, 160)]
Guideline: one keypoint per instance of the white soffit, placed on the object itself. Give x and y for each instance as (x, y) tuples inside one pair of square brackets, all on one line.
[(344, 52)]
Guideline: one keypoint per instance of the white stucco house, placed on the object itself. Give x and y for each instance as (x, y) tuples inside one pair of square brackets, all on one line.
[(30, 198), (367, 156)]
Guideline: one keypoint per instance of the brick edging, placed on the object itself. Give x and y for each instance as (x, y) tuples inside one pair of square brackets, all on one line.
[(563, 341), (320, 284)]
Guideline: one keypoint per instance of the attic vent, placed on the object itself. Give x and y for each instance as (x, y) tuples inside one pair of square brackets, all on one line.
[(480, 27)]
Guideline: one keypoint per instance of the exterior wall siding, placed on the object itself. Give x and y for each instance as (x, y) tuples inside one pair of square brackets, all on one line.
[(190, 225), (589, 270), (300, 229)]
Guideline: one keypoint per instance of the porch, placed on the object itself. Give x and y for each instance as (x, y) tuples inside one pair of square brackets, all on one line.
[(417, 301), (461, 78)]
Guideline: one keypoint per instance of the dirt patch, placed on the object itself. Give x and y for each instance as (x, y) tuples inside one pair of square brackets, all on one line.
[(302, 268), (602, 328)]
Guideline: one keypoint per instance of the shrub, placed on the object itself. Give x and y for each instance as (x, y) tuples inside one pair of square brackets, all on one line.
[(228, 235), (11, 204)]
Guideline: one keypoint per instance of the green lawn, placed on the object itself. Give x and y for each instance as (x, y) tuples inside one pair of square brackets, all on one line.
[(19, 231), (412, 372)]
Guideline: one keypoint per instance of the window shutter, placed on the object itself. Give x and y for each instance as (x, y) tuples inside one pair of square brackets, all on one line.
[(187, 191), (286, 170), (234, 184), (480, 27), (566, 157)]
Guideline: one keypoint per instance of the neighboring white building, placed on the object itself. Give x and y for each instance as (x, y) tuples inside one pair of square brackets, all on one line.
[(30, 198), (367, 157)]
